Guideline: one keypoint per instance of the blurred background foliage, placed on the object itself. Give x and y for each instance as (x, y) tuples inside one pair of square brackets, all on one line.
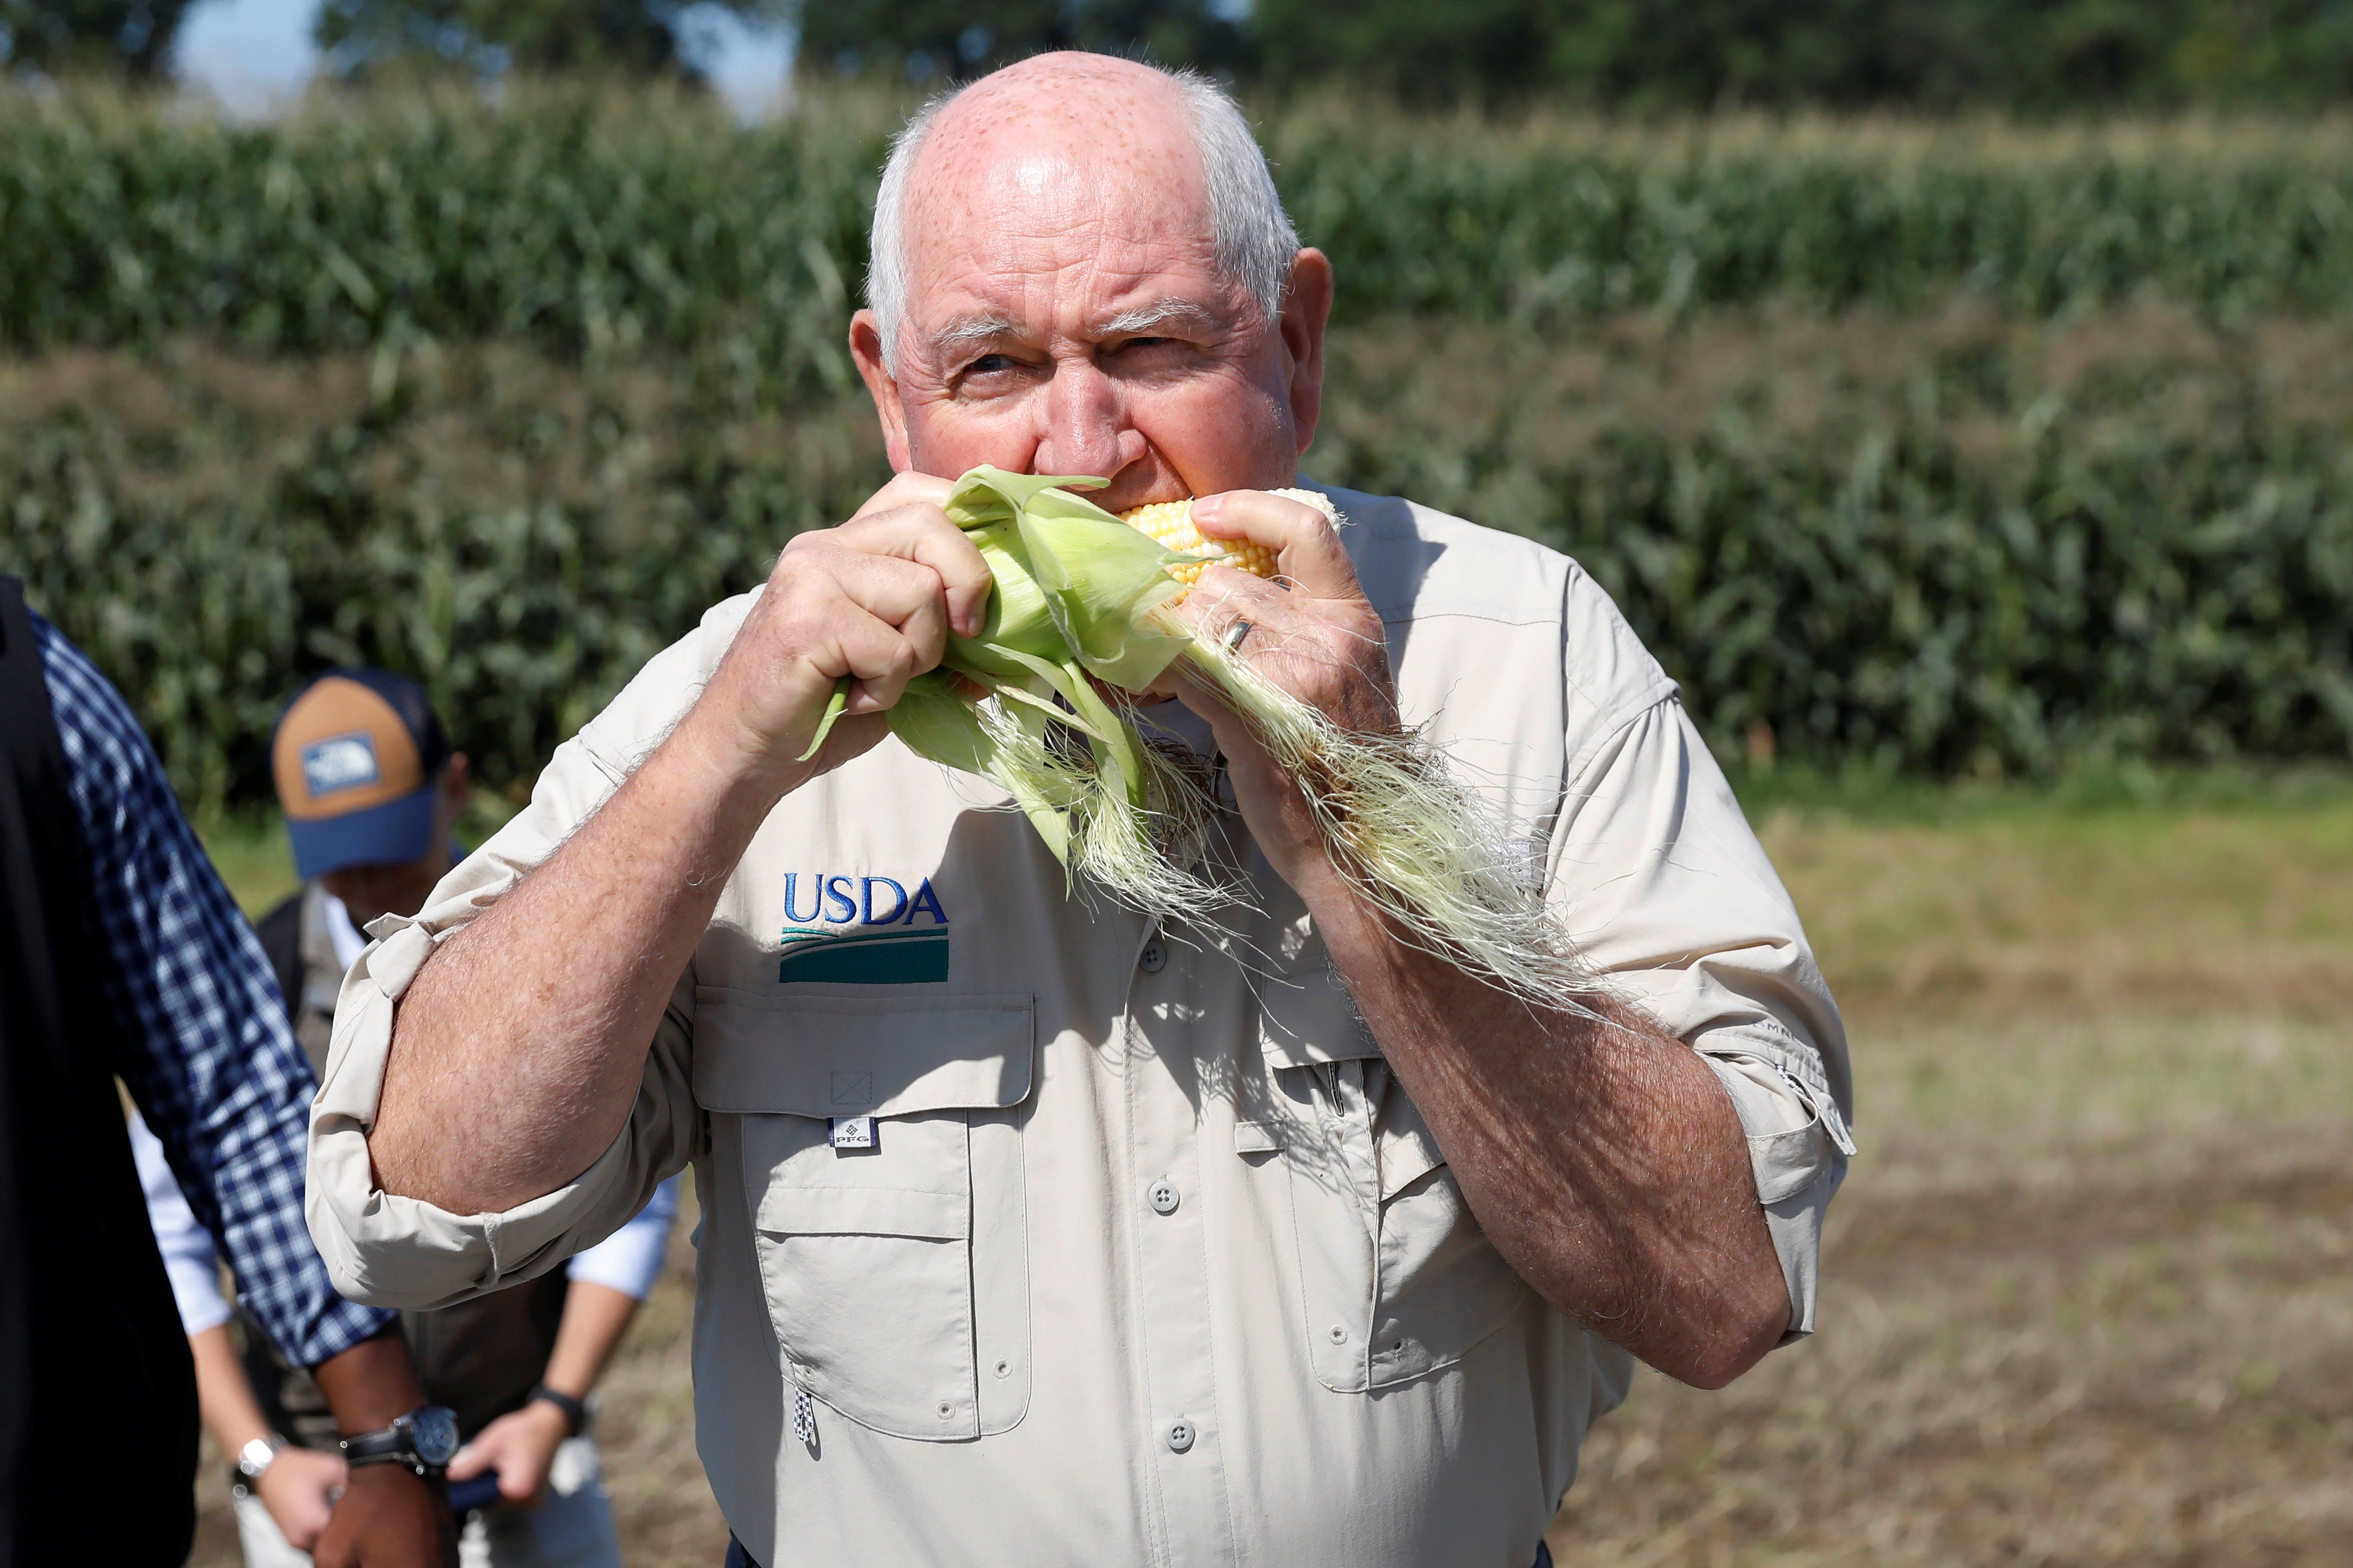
[(1977, 439), (67, 38), (638, 38), (2040, 56), (1928, 447), (2037, 56)]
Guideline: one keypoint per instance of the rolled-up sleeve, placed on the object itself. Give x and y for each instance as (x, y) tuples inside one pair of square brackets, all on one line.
[(1657, 871), (397, 1251), (400, 1251)]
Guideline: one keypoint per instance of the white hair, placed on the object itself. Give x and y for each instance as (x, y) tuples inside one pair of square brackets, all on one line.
[(1256, 243)]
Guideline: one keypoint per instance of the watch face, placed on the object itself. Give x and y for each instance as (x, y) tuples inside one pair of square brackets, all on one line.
[(434, 1431)]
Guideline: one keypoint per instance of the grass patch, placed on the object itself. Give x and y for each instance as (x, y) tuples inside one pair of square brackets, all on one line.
[(2117, 892)]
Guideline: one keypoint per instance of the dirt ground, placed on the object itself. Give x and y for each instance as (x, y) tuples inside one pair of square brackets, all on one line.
[(2088, 1294)]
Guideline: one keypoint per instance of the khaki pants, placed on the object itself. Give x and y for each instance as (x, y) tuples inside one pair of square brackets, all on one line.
[(573, 1529)]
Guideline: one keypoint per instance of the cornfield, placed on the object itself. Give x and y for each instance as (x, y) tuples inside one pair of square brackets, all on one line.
[(1944, 449), (585, 219)]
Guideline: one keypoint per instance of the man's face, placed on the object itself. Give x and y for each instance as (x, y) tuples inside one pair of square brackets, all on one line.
[(401, 887), (1065, 314), (395, 888)]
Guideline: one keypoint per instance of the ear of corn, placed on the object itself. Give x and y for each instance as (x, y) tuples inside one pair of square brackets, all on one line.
[(1083, 611), (1169, 524)]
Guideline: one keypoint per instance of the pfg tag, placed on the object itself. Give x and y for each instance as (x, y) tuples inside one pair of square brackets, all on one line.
[(852, 1133)]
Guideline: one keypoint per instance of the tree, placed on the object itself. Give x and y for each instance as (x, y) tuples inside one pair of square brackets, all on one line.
[(932, 38), (631, 37), (62, 37)]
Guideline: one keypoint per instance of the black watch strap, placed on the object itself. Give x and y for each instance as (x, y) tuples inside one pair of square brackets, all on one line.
[(424, 1440), (385, 1445), (575, 1411)]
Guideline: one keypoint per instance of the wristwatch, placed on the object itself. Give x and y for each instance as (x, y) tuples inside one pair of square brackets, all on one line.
[(575, 1411), (255, 1458), (425, 1440)]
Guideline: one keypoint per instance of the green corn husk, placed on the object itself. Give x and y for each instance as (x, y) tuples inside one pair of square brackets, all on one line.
[(1075, 589), (1079, 593)]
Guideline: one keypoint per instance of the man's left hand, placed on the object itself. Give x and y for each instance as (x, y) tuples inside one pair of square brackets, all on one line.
[(389, 1517), (520, 1446), (1311, 632)]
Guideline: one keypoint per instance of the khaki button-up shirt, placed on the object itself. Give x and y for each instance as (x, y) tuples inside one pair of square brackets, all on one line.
[(1080, 1240)]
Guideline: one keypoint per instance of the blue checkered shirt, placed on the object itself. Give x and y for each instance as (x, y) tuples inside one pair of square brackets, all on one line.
[(213, 1067)]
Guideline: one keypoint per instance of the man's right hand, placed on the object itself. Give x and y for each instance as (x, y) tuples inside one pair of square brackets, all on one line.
[(873, 600), (389, 1517), (514, 1061)]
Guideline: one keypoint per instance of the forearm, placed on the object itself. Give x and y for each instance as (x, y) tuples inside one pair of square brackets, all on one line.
[(371, 1385), (594, 1318), (519, 1048), (231, 1413), (388, 1515), (1602, 1156)]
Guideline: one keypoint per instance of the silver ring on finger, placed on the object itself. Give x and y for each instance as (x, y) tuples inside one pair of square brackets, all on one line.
[(1235, 634)]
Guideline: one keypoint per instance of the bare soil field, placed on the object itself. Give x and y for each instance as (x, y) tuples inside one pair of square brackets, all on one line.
[(2088, 1294)]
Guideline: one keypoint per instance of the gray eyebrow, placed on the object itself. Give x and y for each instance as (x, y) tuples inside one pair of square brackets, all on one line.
[(1141, 320), (973, 330)]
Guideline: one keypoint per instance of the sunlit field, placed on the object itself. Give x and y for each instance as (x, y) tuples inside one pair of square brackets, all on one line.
[(2089, 1291), (2090, 1286)]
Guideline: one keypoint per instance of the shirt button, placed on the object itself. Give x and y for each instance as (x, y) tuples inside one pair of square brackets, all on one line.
[(1162, 1196), (1179, 1435), (1154, 957)]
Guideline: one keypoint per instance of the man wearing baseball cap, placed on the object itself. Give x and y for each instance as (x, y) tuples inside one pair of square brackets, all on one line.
[(372, 792), (370, 789)]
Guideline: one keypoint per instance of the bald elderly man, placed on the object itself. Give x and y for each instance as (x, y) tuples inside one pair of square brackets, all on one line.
[(1033, 1232)]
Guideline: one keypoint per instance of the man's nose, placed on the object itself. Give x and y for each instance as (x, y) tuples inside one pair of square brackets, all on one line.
[(1087, 428)]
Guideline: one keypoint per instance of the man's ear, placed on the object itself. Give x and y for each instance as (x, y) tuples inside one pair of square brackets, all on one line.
[(1306, 308), (866, 348)]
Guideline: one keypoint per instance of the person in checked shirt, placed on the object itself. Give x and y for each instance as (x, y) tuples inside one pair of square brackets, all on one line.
[(1035, 1231), (122, 956)]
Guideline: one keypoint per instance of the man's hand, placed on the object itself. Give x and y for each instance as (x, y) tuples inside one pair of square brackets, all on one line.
[(514, 1060), (520, 1446), (872, 601), (389, 1517), (1313, 634), (299, 1489)]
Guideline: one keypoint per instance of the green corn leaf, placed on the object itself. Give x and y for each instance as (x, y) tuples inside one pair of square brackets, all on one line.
[(936, 722)]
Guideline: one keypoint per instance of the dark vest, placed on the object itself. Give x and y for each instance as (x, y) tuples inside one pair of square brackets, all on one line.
[(482, 1358), (95, 1380)]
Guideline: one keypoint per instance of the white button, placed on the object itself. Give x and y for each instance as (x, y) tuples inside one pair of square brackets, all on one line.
[(1339, 1334), (947, 1411), (1004, 1369), (1162, 1196), (1180, 1435)]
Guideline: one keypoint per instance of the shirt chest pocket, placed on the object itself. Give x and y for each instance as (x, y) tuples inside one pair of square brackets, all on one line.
[(894, 1258), (1396, 1277)]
